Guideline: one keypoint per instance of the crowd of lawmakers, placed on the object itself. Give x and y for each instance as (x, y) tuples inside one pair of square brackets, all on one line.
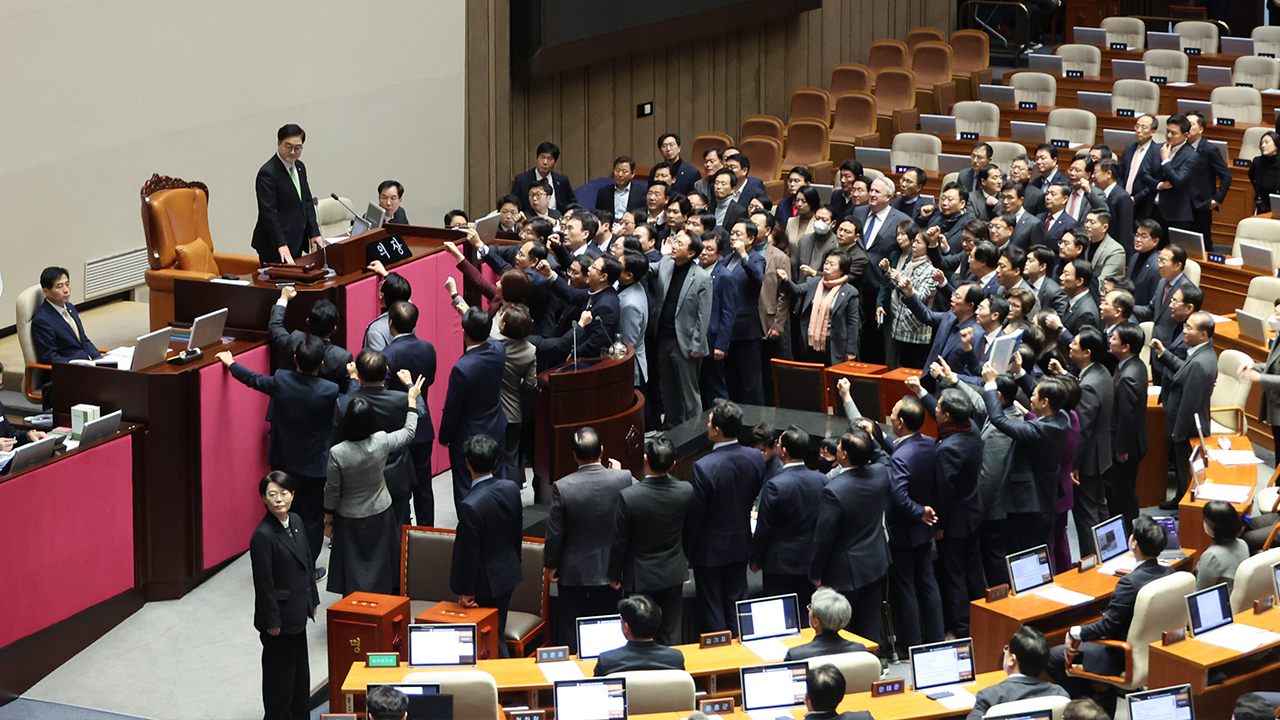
[(709, 280)]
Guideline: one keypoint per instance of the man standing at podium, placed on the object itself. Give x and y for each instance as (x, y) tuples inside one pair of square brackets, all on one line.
[(286, 214)]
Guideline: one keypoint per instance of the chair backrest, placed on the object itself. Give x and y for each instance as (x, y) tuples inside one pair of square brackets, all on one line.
[(1147, 329), (931, 62), (1020, 707), (810, 102), (925, 34), (1197, 34), (1003, 152), (1159, 134), (1168, 64), (979, 117), (1261, 298), (1192, 271), (808, 142), (800, 385), (532, 595), (1256, 231), (1230, 390), (1140, 96), (849, 76), (971, 50), (25, 308), (1161, 605), (1249, 143), (702, 142), (871, 174), (950, 178), (765, 154), (916, 149), (332, 217), (174, 212), (885, 54), (762, 126), (426, 556), (855, 115), (1260, 72), (860, 669), (1079, 127), (1085, 58), (1266, 39), (659, 691), (1037, 87), (475, 692), (1240, 103), (1254, 580), (895, 90), (1130, 31)]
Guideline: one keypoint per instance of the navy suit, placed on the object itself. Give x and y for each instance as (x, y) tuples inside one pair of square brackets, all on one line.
[(918, 606), (754, 188), (828, 642), (408, 352), (684, 177), (285, 345), (473, 407), (53, 338), (783, 542), (717, 530), (1144, 271), (604, 308), (1120, 206), (881, 242), (946, 338), (742, 366), (486, 551), (1211, 182), (540, 305), (1144, 184), (1053, 234), (1176, 205), (1050, 296), (560, 186), (639, 655), (1164, 327), (724, 312), (636, 191)]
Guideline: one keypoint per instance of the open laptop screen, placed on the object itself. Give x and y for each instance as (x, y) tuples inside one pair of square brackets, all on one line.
[(591, 699), (1210, 609), (1030, 569), (1111, 539), (768, 617), (1171, 703), (599, 634), (442, 644), (774, 686), (944, 663)]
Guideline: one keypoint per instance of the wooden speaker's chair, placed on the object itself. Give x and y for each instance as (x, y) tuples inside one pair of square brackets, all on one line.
[(800, 385), (175, 223)]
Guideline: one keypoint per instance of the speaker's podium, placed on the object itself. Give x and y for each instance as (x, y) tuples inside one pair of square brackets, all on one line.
[(595, 392)]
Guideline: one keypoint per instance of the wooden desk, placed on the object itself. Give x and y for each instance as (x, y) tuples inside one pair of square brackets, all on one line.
[(875, 390), (1191, 660), (1153, 471), (1191, 512)]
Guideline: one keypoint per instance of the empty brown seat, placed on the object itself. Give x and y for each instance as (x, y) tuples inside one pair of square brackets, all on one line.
[(702, 142), (895, 103), (846, 77), (800, 385), (885, 54), (925, 34), (807, 145), (854, 125), (766, 157), (970, 62), (810, 102), (935, 90), (762, 126)]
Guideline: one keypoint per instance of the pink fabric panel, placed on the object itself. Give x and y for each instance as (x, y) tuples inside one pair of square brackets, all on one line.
[(233, 456), (66, 538), (492, 277), (362, 308)]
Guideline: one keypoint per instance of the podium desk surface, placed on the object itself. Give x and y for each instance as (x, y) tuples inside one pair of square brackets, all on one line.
[(1190, 659)]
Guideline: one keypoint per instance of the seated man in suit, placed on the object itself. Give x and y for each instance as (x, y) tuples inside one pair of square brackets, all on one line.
[(560, 190), (390, 193), (1147, 542), (829, 613), (826, 690), (1024, 659), (386, 703), (626, 193), (11, 437), (56, 330), (321, 323), (641, 618)]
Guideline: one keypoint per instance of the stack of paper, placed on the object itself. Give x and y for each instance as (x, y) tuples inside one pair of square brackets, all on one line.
[(959, 699), (1061, 595), (562, 670), (1240, 638), (1221, 491), (769, 649)]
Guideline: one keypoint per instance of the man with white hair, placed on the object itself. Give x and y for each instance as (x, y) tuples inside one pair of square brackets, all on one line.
[(879, 222), (829, 612)]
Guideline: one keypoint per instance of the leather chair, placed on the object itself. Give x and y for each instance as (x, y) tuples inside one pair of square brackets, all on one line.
[(1145, 354), (950, 178), (1254, 580), (426, 555), (766, 157), (971, 62), (871, 174), (175, 223), (1085, 58), (808, 145), (1078, 127), (1266, 39), (1037, 87), (1267, 499), (1003, 152), (475, 692), (916, 149), (1015, 708), (1243, 104), (847, 77), (658, 691), (1260, 299), (896, 103), (1170, 64), (529, 611), (1192, 271), (885, 54), (853, 126), (1257, 231), (1197, 34), (1249, 144), (334, 219), (1160, 605), (702, 142), (1140, 96), (800, 385), (935, 90), (761, 126), (810, 103), (1128, 30), (978, 117), (35, 373), (1230, 395), (925, 34), (860, 669), (1260, 72)]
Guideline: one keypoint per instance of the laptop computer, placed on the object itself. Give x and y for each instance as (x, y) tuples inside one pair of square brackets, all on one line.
[(27, 455), (150, 349), (941, 125), (1129, 70), (1110, 539), (1173, 546), (1275, 574), (949, 163), (1235, 45), (769, 687), (1171, 702), (1095, 102), (1222, 149), (874, 157), (1164, 41), (1258, 257), (591, 699), (1027, 132), (1205, 108), (1030, 569), (1213, 76), (768, 617), (1051, 64), (998, 94), (374, 216), (1117, 140), (938, 665), (1096, 37), (105, 426), (1192, 242), (599, 634), (207, 329), (1252, 327), (442, 644), (425, 700), (1210, 609)]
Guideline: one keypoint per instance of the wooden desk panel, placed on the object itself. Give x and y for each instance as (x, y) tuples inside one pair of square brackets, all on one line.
[(1191, 512), (1153, 471), (1191, 660)]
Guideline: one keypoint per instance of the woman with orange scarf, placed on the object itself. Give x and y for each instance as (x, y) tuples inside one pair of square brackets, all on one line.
[(830, 314)]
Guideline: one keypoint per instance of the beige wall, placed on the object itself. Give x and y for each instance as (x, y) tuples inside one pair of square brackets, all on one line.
[(99, 95), (590, 112)]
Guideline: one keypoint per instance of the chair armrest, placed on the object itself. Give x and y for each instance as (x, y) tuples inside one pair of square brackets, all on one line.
[(1271, 537), (775, 189), (1080, 672), (237, 263), (980, 77), (823, 172), (868, 140), (944, 96), (1242, 420), (926, 101), (905, 120), (28, 387), (162, 280)]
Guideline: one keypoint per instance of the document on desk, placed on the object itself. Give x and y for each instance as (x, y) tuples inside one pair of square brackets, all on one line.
[(562, 670), (1153, 390), (1234, 457), (1059, 594), (1126, 562), (960, 699), (122, 355), (1221, 491), (770, 714), (5, 457), (768, 649), (1240, 638)]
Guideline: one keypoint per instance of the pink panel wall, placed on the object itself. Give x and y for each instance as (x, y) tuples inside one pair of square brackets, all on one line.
[(362, 308), (233, 456), (492, 277), (66, 538)]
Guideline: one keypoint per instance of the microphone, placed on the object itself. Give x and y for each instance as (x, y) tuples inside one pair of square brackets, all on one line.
[(346, 206)]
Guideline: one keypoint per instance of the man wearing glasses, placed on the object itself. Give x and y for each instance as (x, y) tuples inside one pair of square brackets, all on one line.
[(286, 215)]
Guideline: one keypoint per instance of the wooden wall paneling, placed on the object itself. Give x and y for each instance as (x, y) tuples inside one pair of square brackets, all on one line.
[(624, 109), (832, 27), (643, 88), (797, 62), (685, 99), (601, 141), (574, 126), (539, 116), (477, 174), (702, 73), (750, 77), (500, 103), (520, 148), (720, 86), (813, 25)]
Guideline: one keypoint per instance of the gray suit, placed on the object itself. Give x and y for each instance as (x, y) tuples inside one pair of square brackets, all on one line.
[(1270, 408), (1188, 387), (356, 487), (1028, 232), (810, 250), (1093, 452), (677, 366), (1108, 260), (388, 407), (633, 320)]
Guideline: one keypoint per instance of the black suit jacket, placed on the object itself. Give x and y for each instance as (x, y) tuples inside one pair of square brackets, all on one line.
[(1129, 411), (1120, 205), (560, 185), (285, 344), (300, 413), (1050, 296), (885, 242), (783, 541), (849, 547), (1017, 687), (473, 404), (284, 580), (635, 196), (1115, 622), (486, 552), (735, 214), (717, 528), (648, 528), (685, 176), (1028, 232), (1053, 234), (639, 655), (1145, 274), (912, 487), (283, 217), (958, 463), (1034, 478), (1181, 172), (1164, 327), (1144, 185), (53, 338), (408, 352), (1084, 312), (579, 531), (1212, 178), (827, 642), (388, 411), (7, 430)]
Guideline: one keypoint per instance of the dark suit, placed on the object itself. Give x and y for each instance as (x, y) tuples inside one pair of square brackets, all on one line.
[(388, 409), (1211, 181), (959, 566), (1176, 205), (639, 655), (917, 602), (1033, 199), (717, 530), (828, 642), (1014, 687), (1144, 271), (881, 241), (978, 206), (1049, 296), (473, 406), (1164, 327), (285, 598), (1081, 312), (605, 310), (1093, 455), (683, 176), (753, 188), (300, 413), (1028, 232), (635, 196), (844, 336), (1055, 177), (1054, 232), (408, 352), (968, 179), (782, 545), (1120, 206), (909, 208), (850, 554), (1188, 388), (742, 367), (724, 312), (946, 337), (647, 556), (1144, 183), (54, 339), (579, 532), (7, 430), (285, 344), (486, 552), (284, 218), (734, 214), (1034, 480), (560, 187), (1128, 437)]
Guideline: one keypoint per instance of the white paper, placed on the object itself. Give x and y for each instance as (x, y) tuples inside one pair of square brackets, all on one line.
[(1234, 261), (1237, 637), (1002, 349), (562, 670), (44, 420), (1180, 84), (224, 281), (769, 649), (1058, 594), (959, 699), (122, 355), (1124, 562), (5, 457), (1234, 457), (1234, 494), (1219, 318), (1153, 390), (1271, 91)]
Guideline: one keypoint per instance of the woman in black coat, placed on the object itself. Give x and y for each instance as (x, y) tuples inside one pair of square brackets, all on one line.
[(1264, 173), (285, 597)]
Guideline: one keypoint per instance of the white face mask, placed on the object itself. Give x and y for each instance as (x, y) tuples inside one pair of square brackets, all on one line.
[(1273, 322), (821, 227)]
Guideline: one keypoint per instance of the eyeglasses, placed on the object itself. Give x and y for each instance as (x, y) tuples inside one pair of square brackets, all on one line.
[(290, 147), (275, 495)]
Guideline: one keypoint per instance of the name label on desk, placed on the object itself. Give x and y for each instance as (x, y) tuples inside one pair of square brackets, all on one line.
[(1191, 51), (382, 660), (885, 688), (1088, 563), (1244, 84), (388, 250), (1262, 605), (715, 639), (1119, 46), (1159, 79), (1075, 73), (1060, 143), (1216, 257), (1243, 163), (719, 706), (1124, 112), (1026, 105), (1270, 55), (527, 715), (999, 592), (1224, 122), (553, 654), (1176, 635), (968, 136)]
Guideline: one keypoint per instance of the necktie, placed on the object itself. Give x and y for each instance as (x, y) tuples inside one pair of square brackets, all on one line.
[(1164, 300), (1075, 203), (1048, 222), (67, 316), (1133, 168), (869, 233), (293, 175)]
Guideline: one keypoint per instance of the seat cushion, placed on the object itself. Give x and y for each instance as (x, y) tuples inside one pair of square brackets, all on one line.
[(520, 624), (197, 256)]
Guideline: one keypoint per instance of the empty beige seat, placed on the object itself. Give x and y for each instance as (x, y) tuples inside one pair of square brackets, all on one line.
[(916, 149), (1015, 708), (658, 691), (475, 692), (1158, 135), (1130, 31), (1140, 96), (975, 116), (1244, 105), (1266, 39), (860, 669), (1085, 58), (1260, 300), (1003, 153), (1036, 87), (1168, 64), (1078, 127), (1198, 34), (1254, 579), (1260, 72), (1257, 231), (1230, 394), (1249, 143)]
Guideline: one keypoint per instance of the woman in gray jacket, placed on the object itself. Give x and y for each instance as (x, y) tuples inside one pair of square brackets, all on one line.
[(359, 519)]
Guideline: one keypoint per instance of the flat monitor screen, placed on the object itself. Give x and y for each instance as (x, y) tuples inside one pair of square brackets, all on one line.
[(104, 426), (1191, 242), (599, 634), (944, 663), (1275, 572), (442, 644), (1030, 569), (593, 699), (1210, 609), (374, 215), (1171, 530), (1111, 539), (1171, 703), (425, 700), (768, 617), (774, 686), (207, 329)]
